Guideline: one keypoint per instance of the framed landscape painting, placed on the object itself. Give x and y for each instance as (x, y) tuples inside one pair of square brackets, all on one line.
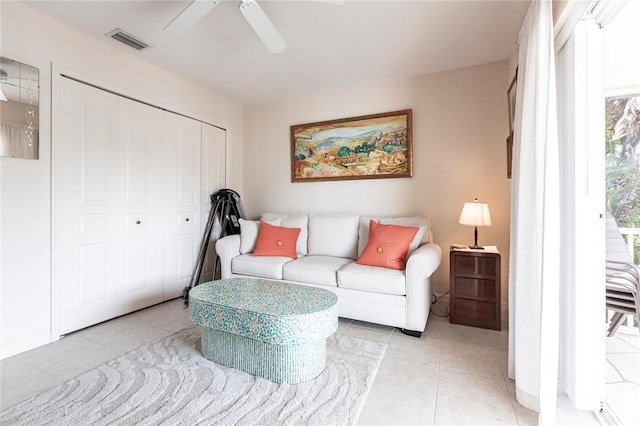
[(366, 147)]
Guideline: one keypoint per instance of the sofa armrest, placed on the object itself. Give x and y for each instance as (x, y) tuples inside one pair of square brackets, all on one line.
[(227, 248), (422, 263)]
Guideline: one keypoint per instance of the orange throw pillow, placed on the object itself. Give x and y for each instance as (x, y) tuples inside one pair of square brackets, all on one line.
[(276, 241), (388, 245)]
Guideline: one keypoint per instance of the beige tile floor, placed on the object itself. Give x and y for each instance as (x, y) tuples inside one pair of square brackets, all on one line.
[(623, 376), (453, 375)]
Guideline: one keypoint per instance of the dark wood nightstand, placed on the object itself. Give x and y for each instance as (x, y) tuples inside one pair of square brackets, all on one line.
[(475, 287)]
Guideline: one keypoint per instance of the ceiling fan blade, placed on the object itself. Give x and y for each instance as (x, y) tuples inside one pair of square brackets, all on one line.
[(190, 16), (262, 25)]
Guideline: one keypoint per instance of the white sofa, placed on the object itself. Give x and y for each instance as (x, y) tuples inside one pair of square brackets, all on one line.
[(327, 248)]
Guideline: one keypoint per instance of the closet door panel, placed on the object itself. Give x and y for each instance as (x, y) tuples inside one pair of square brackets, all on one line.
[(140, 168), (95, 153), (135, 272), (182, 195), (188, 144), (85, 228), (213, 162), (94, 266), (137, 137), (213, 179), (186, 255)]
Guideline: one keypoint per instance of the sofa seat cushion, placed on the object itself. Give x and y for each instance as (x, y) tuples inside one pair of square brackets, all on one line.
[(320, 270), (372, 278), (259, 266)]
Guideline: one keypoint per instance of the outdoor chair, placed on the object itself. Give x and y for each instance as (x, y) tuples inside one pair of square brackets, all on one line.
[(622, 278)]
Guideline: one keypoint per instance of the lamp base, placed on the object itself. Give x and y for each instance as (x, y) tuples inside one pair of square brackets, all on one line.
[(476, 247)]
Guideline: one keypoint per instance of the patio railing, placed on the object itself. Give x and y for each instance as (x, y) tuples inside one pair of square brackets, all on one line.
[(631, 237)]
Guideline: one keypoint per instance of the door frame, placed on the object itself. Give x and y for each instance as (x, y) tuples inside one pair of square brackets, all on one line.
[(579, 49)]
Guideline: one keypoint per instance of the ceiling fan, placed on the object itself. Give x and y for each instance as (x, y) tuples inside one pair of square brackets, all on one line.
[(251, 11)]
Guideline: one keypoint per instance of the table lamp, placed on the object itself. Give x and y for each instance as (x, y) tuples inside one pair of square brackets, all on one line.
[(475, 214)]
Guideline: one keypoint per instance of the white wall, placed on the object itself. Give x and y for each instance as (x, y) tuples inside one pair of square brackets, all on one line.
[(460, 126), (38, 40)]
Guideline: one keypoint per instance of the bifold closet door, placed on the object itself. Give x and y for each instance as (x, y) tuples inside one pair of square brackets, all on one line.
[(86, 202), (182, 194), (141, 176), (131, 194)]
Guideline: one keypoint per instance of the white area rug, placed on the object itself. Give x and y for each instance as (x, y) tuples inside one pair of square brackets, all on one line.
[(170, 383)]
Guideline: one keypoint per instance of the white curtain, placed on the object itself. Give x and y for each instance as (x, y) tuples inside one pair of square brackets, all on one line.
[(534, 265)]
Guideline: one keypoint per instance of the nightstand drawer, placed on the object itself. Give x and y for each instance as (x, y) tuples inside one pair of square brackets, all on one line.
[(473, 309), (474, 265), (474, 287)]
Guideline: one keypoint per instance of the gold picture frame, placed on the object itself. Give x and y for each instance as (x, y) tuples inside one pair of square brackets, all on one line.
[(511, 104), (372, 146), (509, 155), (511, 99)]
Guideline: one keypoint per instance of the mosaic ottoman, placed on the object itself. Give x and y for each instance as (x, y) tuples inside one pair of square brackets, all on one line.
[(266, 328)]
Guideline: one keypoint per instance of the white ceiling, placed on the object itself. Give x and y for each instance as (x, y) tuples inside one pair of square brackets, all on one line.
[(329, 46)]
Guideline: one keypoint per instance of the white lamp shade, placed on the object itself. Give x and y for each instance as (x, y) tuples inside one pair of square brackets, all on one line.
[(475, 214)]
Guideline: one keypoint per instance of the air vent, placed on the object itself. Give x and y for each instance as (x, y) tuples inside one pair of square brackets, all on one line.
[(128, 39)]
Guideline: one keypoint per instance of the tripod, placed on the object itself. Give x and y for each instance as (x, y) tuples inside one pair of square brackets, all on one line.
[(226, 208)]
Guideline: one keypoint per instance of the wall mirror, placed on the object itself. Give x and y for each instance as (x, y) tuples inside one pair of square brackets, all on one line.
[(19, 109)]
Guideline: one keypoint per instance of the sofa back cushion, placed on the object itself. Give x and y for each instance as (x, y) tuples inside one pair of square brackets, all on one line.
[(333, 235), (292, 221), (422, 237)]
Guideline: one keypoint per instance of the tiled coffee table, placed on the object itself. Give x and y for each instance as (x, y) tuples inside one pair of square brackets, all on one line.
[(266, 328)]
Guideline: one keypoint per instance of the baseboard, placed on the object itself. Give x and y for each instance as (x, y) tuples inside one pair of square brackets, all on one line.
[(15, 348)]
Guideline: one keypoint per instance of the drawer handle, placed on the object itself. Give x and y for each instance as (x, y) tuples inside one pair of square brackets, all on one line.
[(186, 220), (138, 222)]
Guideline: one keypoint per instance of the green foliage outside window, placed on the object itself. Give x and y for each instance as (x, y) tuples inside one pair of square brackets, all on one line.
[(622, 137)]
